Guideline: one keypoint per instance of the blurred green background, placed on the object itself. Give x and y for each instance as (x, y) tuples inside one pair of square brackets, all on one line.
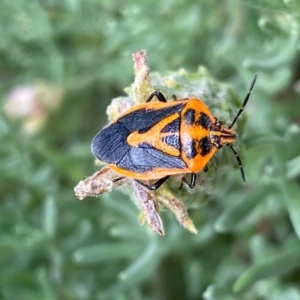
[(61, 62)]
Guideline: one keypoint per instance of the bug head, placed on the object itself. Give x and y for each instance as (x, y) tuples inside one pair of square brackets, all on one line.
[(221, 134)]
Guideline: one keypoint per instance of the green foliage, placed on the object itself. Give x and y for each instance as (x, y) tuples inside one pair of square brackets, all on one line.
[(54, 247)]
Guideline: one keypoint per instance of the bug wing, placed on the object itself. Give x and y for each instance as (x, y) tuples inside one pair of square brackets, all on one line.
[(109, 145), (141, 160)]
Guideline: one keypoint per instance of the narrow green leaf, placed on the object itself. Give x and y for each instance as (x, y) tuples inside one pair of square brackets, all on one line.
[(233, 215), (48, 291), (140, 269), (194, 273), (105, 252), (144, 264), (49, 217), (274, 266), (291, 194), (276, 5), (4, 128), (217, 293), (293, 168)]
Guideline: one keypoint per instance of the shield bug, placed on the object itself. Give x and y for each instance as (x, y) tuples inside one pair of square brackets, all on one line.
[(154, 140)]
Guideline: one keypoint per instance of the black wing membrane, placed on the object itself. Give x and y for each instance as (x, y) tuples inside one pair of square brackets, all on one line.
[(110, 144)]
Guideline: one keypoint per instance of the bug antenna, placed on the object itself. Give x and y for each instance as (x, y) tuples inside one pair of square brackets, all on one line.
[(245, 101), (239, 163)]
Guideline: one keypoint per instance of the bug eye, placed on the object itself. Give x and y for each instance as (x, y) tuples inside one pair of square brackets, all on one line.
[(219, 125), (218, 140)]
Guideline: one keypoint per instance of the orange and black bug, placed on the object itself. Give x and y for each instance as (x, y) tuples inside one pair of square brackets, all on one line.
[(157, 139)]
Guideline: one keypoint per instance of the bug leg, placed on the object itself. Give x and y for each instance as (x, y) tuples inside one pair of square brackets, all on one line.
[(117, 179), (181, 184), (205, 169), (158, 95), (176, 99), (155, 185), (193, 180)]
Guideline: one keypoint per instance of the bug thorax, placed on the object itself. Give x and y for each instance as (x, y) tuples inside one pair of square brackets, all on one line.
[(221, 135)]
